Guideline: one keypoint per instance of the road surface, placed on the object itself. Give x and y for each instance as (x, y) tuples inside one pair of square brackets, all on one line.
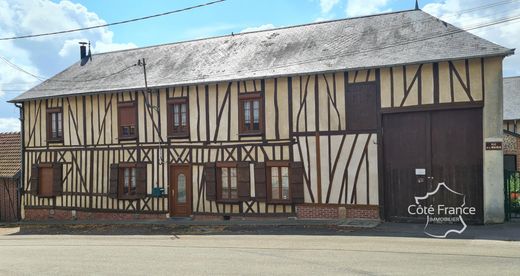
[(253, 255)]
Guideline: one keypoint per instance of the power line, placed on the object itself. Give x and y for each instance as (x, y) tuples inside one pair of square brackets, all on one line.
[(482, 25), (113, 23), (40, 78)]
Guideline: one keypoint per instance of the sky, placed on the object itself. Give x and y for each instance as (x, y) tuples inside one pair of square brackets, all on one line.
[(47, 56)]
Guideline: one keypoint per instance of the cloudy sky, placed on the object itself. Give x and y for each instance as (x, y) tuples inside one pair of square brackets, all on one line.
[(47, 56)]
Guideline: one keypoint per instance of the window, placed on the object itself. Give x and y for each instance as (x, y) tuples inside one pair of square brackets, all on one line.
[(178, 117), (46, 180), (228, 181), (279, 180), (251, 113), (127, 181), (54, 125), (361, 106), (127, 116)]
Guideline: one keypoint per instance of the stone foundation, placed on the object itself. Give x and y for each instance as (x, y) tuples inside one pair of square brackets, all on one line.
[(53, 214)]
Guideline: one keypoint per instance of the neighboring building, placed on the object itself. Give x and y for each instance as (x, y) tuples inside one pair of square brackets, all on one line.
[(10, 162), (346, 118), (512, 123)]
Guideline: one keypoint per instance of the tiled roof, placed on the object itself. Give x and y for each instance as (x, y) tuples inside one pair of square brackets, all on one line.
[(348, 44), (10, 154), (512, 98)]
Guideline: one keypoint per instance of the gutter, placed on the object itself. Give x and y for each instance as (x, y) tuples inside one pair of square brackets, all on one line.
[(22, 165)]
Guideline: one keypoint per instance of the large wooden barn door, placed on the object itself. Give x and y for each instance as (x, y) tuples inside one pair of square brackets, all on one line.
[(457, 157), (445, 145), (406, 136), (180, 193)]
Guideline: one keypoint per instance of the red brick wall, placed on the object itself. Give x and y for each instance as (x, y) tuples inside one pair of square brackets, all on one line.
[(366, 213), (333, 212), (317, 212), (48, 214)]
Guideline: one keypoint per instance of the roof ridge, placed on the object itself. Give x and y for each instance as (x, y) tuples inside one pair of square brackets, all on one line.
[(259, 31)]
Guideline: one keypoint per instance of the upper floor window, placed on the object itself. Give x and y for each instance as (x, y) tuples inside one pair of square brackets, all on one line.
[(178, 117), (251, 113), (54, 125), (127, 116)]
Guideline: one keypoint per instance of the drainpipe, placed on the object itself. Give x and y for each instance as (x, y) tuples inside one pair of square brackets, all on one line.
[(22, 151)]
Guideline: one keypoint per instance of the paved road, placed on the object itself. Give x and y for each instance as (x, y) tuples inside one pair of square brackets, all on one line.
[(254, 255)]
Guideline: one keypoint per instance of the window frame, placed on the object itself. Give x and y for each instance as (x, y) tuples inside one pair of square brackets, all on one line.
[(250, 97), (50, 112), (121, 181), (219, 167), (185, 131), (279, 165), (129, 104)]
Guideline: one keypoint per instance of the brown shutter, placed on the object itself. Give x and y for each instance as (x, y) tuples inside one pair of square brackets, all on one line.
[(140, 189), (114, 180), (260, 182), (57, 176), (243, 181), (35, 179), (296, 182), (169, 119), (211, 181)]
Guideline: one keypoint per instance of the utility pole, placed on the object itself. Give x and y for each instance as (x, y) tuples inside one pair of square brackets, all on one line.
[(142, 62)]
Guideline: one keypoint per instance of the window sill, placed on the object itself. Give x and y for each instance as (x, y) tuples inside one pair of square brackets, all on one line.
[(179, 136), (252, 133), (129, 138), (54, 141), (229, 201), (280, 201)]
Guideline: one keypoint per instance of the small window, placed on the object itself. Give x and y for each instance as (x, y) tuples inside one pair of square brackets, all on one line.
[(279, 184), (361, 106), (46, 179), (54, 125), (178, 118), (228, 183), (127, 181), (251, 113), (127, 114)]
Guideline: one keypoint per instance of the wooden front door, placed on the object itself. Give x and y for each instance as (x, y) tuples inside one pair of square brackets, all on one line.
[(447, 145), (180, 190)]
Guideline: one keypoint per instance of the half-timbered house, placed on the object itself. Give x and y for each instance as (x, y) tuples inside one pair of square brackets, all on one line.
[(345, 118)]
